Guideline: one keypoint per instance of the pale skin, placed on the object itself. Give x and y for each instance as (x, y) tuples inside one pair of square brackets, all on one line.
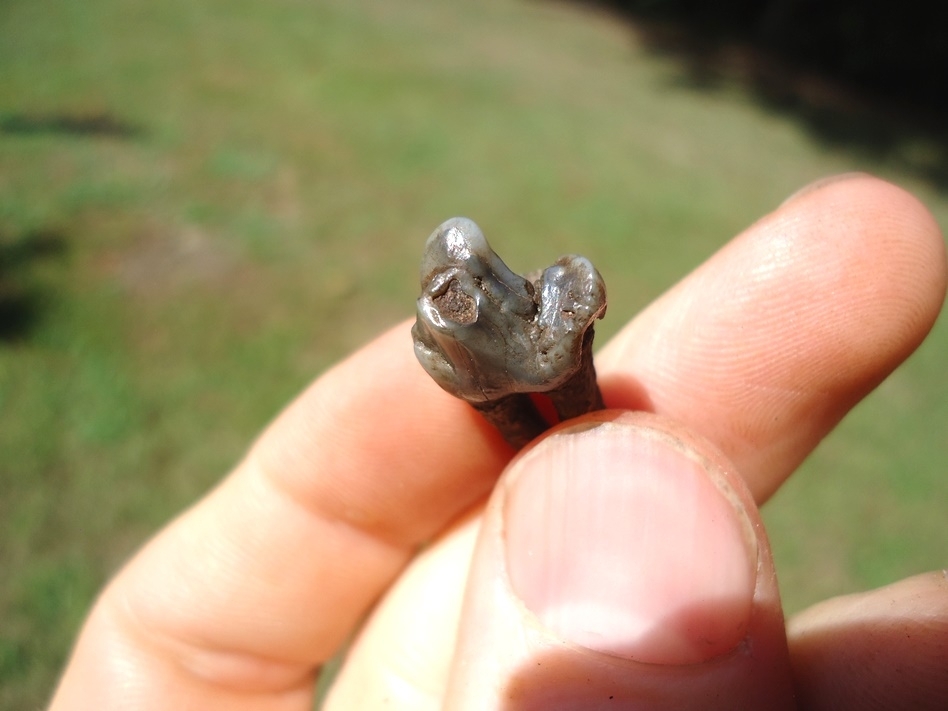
[(618, 565)]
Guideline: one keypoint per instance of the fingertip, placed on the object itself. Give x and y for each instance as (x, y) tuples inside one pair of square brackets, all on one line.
[(889, 218), (887, 249), (764, 347)]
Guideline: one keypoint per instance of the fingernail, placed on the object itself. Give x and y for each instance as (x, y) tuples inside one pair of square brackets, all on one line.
[(622, 539), (822, 183)]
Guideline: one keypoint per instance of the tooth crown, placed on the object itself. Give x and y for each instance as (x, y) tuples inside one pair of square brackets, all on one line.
[(485, 333)]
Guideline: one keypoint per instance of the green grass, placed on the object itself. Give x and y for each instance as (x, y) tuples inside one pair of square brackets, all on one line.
[(236, 172)]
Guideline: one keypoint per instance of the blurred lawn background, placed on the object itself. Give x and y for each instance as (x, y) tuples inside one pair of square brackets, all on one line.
[(203, 204)]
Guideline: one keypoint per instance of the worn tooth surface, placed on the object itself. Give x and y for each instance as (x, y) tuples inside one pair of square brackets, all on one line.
[(572, 296), (489, 336)]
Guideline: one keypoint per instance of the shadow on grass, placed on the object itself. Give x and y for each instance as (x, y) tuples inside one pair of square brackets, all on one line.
[(909, 132), (92, 125), (22, 295)]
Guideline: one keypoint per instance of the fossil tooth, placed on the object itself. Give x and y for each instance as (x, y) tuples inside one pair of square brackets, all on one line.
[(492, 337)]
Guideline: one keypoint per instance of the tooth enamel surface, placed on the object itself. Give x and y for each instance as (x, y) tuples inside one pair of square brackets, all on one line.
[(485, 333)]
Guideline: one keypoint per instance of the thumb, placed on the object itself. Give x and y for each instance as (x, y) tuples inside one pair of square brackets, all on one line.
[(621, 564)]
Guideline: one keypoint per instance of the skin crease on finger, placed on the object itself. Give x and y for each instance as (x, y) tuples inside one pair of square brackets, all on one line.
[(856, 268)]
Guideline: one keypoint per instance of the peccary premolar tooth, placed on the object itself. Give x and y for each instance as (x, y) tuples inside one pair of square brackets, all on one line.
[(491, 337)]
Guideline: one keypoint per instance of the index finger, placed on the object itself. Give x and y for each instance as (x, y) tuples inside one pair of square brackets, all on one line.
[(247, 593), (768, 344)]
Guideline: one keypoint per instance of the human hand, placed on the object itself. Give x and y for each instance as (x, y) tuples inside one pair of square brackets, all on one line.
[(619, 563)]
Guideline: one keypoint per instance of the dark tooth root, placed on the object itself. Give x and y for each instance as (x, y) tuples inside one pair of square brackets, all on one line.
[(495, 337), (515, 417)]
